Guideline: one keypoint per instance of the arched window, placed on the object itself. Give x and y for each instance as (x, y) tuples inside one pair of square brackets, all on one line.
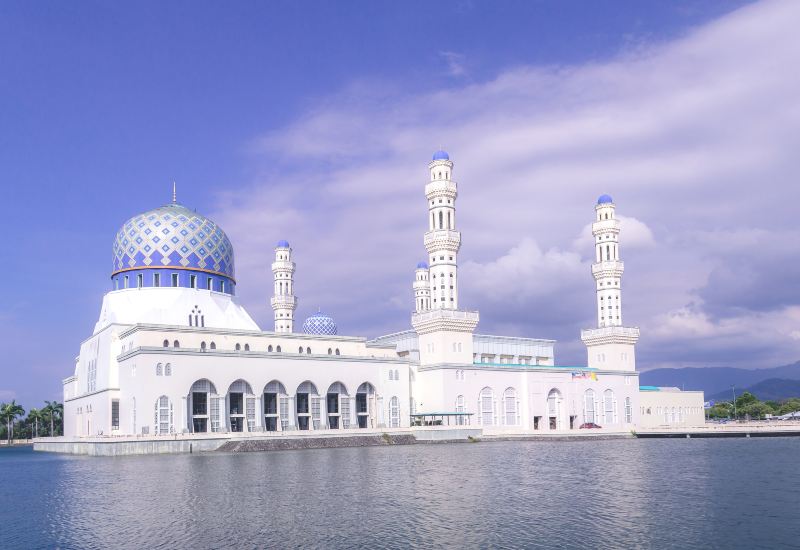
[(163, 416), (247, 347), (269, 348), (308, 351), (300, 349), (510, 407), (609, 407), (588, 407), (628, 411), (486, 406), (441, 220), (391, 374), (238, 347), (213, 345), (554, 409), (159, 370), (202, 346), (176, 344), (168, 369), (394, 412), (166, 343), (461, 407), (278, 349), (337, 351), (330, 351)]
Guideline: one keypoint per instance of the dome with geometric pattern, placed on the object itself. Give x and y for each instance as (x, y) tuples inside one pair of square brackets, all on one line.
[(319, 323), (172, 238)]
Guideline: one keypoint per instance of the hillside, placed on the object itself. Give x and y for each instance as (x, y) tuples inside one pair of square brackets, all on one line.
[(772, 389), (716, 380)]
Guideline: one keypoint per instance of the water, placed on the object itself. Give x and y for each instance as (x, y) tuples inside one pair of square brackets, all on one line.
[(710, 493)]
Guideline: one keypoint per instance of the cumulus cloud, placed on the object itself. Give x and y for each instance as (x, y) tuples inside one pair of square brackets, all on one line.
[(695, 139)]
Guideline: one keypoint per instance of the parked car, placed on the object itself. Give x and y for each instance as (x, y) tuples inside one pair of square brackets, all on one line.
[(588, 425)]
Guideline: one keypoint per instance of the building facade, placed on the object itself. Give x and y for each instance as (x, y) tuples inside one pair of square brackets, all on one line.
[(174, 351)]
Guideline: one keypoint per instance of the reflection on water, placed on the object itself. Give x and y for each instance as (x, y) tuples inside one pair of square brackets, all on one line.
[(733, 493)]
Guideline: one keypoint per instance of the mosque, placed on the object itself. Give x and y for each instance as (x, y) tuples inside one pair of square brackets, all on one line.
[(175, 352)]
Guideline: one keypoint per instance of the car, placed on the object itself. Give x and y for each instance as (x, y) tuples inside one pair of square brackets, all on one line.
[(588, 425)]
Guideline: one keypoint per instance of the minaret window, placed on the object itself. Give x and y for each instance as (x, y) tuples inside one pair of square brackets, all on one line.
[(441, 220)]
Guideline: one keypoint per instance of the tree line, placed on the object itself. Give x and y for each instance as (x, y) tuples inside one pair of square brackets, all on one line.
[(748, 405), (46, 421)]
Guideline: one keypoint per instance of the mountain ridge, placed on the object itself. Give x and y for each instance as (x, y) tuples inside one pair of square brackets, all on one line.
[(716, 380)]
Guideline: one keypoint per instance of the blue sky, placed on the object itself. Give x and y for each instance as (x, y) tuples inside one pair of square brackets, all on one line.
[(313, 121)]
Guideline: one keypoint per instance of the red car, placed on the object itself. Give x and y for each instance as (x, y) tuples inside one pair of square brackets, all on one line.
[(588, 425)]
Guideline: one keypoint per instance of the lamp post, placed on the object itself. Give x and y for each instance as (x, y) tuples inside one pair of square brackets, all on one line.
[(733, 389)]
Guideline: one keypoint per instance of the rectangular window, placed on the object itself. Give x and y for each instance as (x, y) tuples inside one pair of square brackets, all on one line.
[(208, 283), (156, 279), (115, 414), (222, 286), (193, 281), (116, 284), (174, 279), (139, 280), (126, 281)]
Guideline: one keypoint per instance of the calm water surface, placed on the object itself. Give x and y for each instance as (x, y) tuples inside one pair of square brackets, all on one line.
[(731, 493)]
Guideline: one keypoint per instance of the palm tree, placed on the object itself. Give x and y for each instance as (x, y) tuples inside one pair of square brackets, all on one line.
[(35, 415), (53, 410), (9, 412)]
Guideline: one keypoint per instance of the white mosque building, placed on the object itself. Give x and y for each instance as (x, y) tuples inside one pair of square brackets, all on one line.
[(174, 352)]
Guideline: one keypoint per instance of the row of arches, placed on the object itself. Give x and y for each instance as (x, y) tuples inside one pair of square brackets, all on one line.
[(274, 408)]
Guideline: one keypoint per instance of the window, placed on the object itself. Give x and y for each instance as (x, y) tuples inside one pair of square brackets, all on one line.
[(330, 351), (391, 374), (209, 282), (394, 412), (163, 416), (174, 279), (337, 351), (156, 279), (168, 369), (176, 344), (460, 408), (486, 406), (628, 411), (115, 414), (269, 348), (202, 346), (238, 347), (247, 347), (159, 370), (166, 343), (193, 281), (588, 407), (510, 406), (126, 281), (139, 280), (213, 345), (609, 407), (300, 349), (278, 349), (308, 351), (222, 286)]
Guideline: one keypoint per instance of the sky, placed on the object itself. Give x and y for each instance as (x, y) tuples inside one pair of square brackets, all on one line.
[(314, 122)]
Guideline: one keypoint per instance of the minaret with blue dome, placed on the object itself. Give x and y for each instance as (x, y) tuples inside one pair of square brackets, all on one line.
[(422, 288), (173, 246), (283, 301), (610, 345)]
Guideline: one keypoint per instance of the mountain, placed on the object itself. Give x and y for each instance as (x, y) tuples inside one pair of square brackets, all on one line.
[(716, 380), (772, 389)]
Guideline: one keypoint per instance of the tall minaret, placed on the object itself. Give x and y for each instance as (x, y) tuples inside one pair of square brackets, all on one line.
[(610, 346), (444, 332), (422, 288), (442, 240), (283, 302)]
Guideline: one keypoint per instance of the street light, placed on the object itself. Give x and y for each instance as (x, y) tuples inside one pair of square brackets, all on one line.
[(733, 389)]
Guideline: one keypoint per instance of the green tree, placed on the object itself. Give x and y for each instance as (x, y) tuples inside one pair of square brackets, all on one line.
[(789, 406), (34, 417), (9, 412), (53, 411), (756, 409)]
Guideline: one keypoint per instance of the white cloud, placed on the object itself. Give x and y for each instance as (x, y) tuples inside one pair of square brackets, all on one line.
[(695, 139)]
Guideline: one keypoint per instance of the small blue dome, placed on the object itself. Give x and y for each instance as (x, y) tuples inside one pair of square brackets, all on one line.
[(605, 199), (441, 155), (282, 244), (422, 265), (319, 323)]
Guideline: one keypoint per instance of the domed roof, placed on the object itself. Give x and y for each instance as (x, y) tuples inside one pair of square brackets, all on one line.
[(173, 236), (422, 265), (282, 244), (319, 323), (604, 199), (441, 155)]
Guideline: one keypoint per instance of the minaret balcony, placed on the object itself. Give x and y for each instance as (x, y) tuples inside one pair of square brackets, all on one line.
[(286, 301), (442, 239), (454, 320), (605, 226), (612, 268), (610, 335), (282, 265), (441, 188)]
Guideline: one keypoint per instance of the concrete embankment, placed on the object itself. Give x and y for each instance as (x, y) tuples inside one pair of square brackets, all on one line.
[(724, 430), (284, 444)]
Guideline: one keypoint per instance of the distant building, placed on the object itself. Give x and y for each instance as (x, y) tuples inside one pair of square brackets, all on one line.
[(174, 351), (661, 407)]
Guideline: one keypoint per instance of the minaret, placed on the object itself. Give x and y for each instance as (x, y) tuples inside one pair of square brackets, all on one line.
[(442, 240), (610, 346), (444, 332), (283, 302), (422, 289)]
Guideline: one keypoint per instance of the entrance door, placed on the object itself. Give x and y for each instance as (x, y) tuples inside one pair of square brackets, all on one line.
[(236, 411)]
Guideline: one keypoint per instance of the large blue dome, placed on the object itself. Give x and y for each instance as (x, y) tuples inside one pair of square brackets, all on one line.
[(184, 248), (319, 323), (441, 155), (604, 199)]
